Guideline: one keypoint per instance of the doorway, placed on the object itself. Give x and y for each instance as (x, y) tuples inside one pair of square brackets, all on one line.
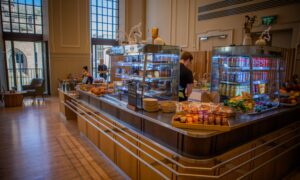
[(100, 52), (24, 62)]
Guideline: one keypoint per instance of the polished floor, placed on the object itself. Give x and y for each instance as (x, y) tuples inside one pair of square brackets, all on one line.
[(37, 143)]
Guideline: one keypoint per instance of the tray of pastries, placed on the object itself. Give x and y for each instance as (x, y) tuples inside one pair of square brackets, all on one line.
[(208, 116)]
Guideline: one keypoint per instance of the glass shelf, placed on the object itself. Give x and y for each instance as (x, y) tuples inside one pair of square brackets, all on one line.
[(253, 69), (151, 67)]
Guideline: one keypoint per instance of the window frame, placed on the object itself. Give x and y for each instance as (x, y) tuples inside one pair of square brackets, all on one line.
[(14, 17)]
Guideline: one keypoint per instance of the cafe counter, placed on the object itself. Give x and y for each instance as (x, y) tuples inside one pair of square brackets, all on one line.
[(156, 149)]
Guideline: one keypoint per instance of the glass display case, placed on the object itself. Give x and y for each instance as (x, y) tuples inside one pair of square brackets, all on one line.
[(154, 69), (252, 69)]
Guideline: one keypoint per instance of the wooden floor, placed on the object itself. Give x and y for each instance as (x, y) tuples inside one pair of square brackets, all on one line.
[(37, 143)]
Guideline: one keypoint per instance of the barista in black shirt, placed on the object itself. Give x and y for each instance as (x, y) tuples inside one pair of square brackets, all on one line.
[(186, 77)]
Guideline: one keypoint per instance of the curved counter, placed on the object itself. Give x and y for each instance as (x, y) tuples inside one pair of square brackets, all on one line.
[(146, 145), (196, 144)]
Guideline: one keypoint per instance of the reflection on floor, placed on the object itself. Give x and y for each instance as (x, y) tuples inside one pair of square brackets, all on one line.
[(37, 143)]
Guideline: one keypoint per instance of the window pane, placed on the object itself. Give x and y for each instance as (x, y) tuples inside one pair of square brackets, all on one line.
[(38, 29), (37, 11), (21, 8), (15, 27), (29, 9), (106, 18), (109, 28), (100, 19), (93, 25), (109, 20), (23, 28), (100, 10), (115, 13), (6, 27), (94, 17), (100, 26), (21, 15), (30, 19), (116, 5), (5, 16), (109, 4), (38, 2), (93, 9), (94, 34), (30, 28), (109, 35), (4, 7), (109, 12), (28, 2), (104, 27), (38, 20)]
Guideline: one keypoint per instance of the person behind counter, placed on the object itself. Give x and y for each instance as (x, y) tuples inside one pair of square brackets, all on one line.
[(186, 77), (87, 77), (102, 69)]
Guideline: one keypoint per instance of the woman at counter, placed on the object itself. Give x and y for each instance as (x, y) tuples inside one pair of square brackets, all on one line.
[(87, 77), (186, 77)]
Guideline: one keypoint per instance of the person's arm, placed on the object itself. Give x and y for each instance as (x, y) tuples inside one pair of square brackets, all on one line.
[(189, 89), (189, 86)]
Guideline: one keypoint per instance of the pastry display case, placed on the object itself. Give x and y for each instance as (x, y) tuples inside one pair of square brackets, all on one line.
[(251, 69), (153, 69)]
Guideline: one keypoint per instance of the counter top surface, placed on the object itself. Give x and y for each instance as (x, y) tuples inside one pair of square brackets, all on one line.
[(164, 119)]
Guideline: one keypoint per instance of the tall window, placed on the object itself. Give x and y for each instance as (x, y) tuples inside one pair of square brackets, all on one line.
[(22, 16), (104, 19), (25, 49), (104, 16)]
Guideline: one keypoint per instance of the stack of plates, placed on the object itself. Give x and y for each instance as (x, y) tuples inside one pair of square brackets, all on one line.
[(150, 104), (168, 106)]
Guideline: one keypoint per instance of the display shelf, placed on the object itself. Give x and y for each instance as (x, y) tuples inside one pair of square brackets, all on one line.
[(136, 77), (150, 66), (260, 82), (259, 95), (234, 83), (258, 68)]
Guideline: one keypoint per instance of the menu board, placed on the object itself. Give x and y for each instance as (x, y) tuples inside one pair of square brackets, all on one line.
[(132, 94)]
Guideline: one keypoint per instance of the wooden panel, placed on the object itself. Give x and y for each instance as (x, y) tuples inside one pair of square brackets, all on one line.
[(92, 133), (124, 160), (161, 134), (106, 145), (147, 173), (132, 120), (61, 102), (69, 23), (201, 64), (82, 125), (182, 23)]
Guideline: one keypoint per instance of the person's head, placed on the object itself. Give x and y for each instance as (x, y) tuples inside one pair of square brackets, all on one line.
[(101, 61), (186, 58), (85, 68)]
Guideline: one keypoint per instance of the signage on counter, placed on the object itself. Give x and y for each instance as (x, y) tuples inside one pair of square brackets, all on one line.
[(132, 95)]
